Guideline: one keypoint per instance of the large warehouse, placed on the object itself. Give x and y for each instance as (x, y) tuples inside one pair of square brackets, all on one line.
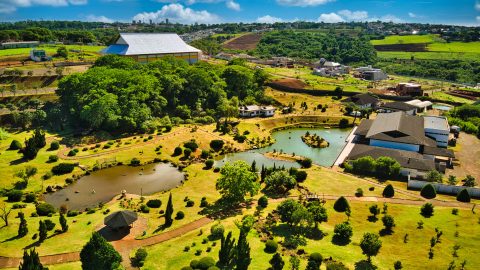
[(148, 47)]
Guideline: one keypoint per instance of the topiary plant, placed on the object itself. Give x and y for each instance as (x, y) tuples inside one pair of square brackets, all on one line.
[(389, 191), (15, 145), (428, 191), (271, 246), (463, 196), (341, 204)]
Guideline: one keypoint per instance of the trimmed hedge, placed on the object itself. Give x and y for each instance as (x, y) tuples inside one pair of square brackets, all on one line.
[(15, 145), (154, 203), (63, 168), (463, 196), (341, 204), (428, 192), (389, 191), (271, 246), (44, 209)]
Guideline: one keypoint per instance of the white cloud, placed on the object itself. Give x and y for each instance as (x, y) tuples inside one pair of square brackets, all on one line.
[(478, 19), (477, 5), (268, 19), (358, 15), (178, 13), (330, 18), (390, 18), (412, 15), (9, 6), (94, 18), (233, 5), (303, 3)]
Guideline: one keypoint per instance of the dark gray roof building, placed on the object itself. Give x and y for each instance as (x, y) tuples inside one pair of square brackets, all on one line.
[(362, 99), (120, 219), (398, 106)]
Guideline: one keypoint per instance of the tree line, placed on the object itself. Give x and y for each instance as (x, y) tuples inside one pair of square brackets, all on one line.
[(315, 45), (118, 94)]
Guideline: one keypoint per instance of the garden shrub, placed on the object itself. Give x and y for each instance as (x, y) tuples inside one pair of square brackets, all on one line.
[(216, 145), (205, 263), (187, 152), (263, 201), (463, 196), (54, 145), (217, 231), (192, 145), (427, 210), (205, 154), (180, 215), (271, 246), (134, 162), (30, 198), (49, 224), (428, 191), (156, 203), (388, 191), (53, 158), (343, 123), (306, 163), (72, 153), (209, 163), (44, 209), (15, 145), (301, 176), (63, 168), (14, 195), (72, 213), (190, 203), (139, 259), (144, 208), (178, 151), (204, 202), (341, 204), (359, 192)]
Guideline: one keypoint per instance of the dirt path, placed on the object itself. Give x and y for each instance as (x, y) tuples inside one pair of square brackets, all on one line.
[(468, 157)]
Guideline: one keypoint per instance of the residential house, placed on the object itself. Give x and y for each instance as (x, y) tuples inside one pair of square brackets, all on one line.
[(422, 106), (397, 106), (409, 89), (363, 101), (371, 74), (256, 111)]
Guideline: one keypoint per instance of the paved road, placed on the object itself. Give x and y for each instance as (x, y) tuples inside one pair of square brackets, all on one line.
[(347, 148)]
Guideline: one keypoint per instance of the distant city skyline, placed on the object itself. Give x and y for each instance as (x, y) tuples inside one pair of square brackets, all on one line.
[(461, 12)]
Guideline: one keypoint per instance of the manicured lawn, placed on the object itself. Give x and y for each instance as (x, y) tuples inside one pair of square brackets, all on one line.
[(464, 47), (407, 39), (434, 55), (414, 253)]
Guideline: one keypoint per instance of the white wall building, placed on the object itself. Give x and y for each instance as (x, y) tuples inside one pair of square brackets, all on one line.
[(437, 127), (255, 111)]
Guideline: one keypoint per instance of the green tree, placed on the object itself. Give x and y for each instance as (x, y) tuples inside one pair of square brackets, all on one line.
[(277, 262), (370, 245), (469, 181), (388, 191), (397, 265), (42, 231), (22, 227), (341, 204), (27, 173), (427, 210), (339, 92), (280, 181), (434, 176), (428, 191), (226, 254), (242, 258), (169, 212), (236, 181), (63, 222), (294, 263), (374, 210), (388, 223), (343, 231), (314, 261), (387, 167), (319, 213), (364, 165), (62, 52), (98, 254), (452, 180), (286, 209), (31, 261)]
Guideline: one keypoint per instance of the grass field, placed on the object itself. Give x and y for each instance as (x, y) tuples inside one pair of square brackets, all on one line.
[(51, 49), (408, 39), (430, 55), (413, 254)]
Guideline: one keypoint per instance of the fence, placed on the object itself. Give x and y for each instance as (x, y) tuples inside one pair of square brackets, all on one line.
[(444, 189)]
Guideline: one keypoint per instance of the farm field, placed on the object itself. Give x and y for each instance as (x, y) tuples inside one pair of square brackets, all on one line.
[(407, 39), (243, 42), (440, 55), (50, 49)]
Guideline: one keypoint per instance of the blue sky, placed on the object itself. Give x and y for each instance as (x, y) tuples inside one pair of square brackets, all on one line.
[(462, 12)]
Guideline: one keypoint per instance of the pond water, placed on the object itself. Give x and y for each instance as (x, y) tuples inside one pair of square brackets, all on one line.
[(103, 185), (290, 141), (441, 107)]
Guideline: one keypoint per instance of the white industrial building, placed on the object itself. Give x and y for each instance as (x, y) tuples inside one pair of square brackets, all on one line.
[(422, 106), (149, 47), (437, 127)]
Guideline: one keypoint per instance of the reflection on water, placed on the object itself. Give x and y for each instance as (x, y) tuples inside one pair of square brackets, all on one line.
[(290, 141), (103, 185)]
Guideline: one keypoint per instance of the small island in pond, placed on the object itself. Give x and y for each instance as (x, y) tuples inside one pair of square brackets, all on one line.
[(315, 141)]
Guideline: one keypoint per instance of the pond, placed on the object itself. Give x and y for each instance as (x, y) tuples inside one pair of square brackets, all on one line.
[(103, 185), (290, 141)]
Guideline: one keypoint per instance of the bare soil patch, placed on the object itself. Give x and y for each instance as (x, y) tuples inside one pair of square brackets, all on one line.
[(418, 47), (289, 83), (245, 42)]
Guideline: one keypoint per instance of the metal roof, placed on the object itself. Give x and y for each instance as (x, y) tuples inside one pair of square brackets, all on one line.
[(436, 122), (120, 219), (419, 104), (149, 43)]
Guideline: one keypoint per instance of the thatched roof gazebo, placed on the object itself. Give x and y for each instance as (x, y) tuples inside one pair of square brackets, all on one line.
[(120, 219)]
